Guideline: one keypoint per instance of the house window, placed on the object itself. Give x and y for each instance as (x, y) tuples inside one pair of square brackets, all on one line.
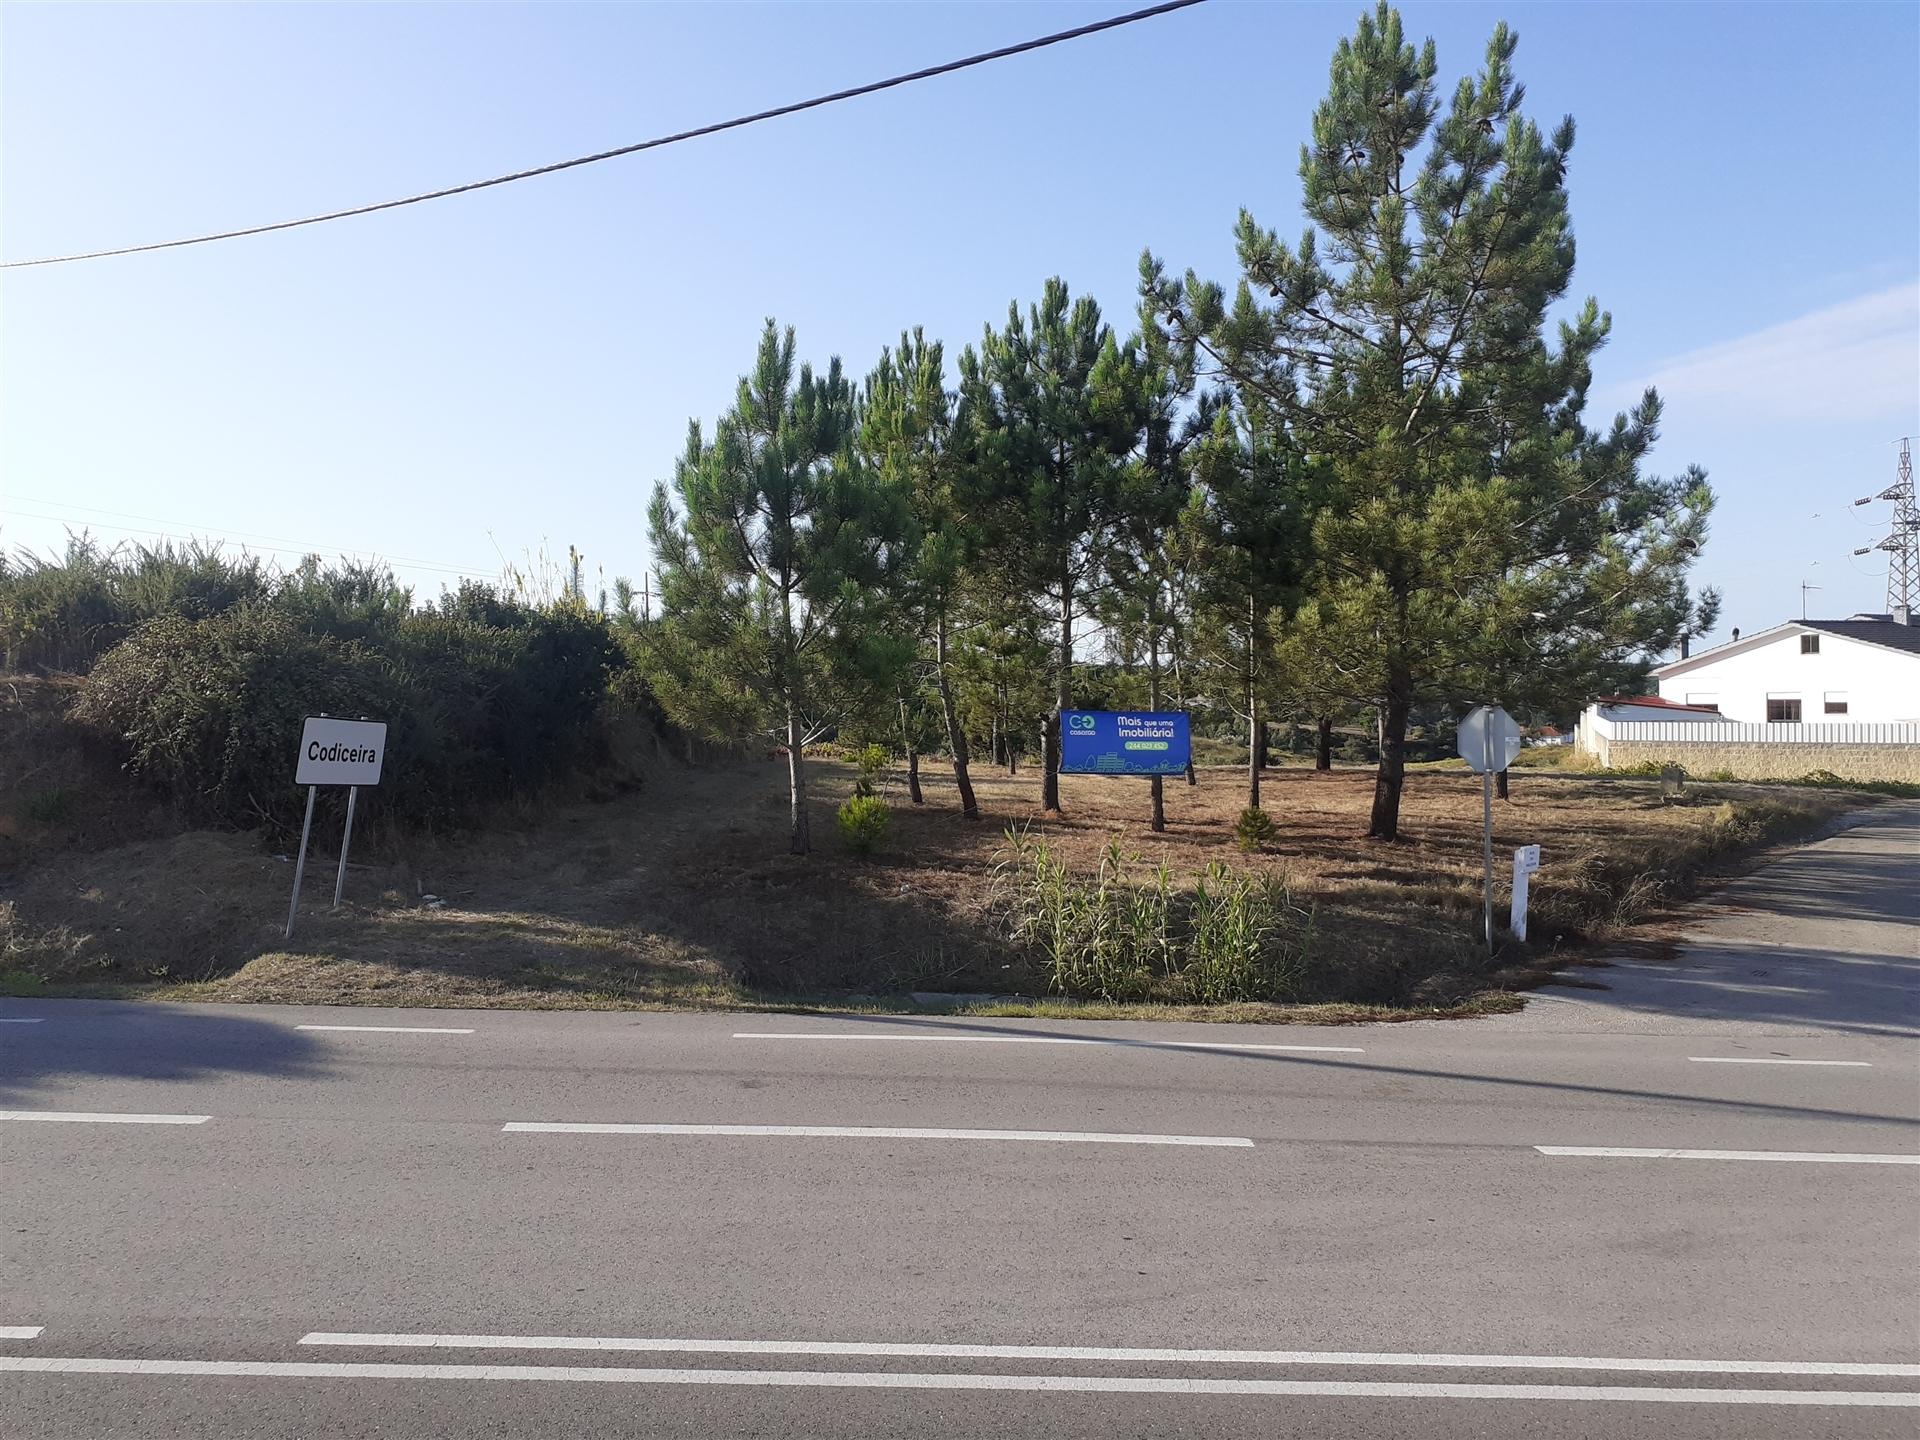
[(1710, 701), (1783, 712), (1809, 644), (1836, 702)]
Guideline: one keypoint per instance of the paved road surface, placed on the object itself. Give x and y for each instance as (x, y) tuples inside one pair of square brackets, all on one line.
[(894, 1226)]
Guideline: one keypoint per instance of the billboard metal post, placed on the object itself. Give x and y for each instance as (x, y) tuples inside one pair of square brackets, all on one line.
[(300, 865), (346, 840)]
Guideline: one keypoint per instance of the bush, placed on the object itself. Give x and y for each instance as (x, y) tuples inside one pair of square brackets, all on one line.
[(210, 711), (1254, 829), (872, 759), (863, 823)]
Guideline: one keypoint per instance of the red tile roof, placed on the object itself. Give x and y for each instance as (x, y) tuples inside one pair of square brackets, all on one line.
[(1653, 702)]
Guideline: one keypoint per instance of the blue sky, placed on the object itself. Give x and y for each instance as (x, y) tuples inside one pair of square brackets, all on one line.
[(454, 382)]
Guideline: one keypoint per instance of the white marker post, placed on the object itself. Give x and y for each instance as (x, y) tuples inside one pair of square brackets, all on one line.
[(1526, 860), (1488, 741), (334, 752)]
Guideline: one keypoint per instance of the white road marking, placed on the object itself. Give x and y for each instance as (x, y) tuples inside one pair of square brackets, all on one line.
[(1120, 1042), (20, 1020), (392, 1029), (877, 1132), (1123, 1354), (21, 1332), (1818, 1157), (883, 1380), (88, 1117), (1764, 1060)]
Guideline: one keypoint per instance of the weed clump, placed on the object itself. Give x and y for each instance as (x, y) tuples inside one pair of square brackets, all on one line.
[(1122, 933)]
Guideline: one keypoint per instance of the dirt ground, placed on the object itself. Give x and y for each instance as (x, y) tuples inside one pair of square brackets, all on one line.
[(682, 893)]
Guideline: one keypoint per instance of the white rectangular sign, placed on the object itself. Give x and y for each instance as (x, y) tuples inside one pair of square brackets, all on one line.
[(1527, 857), (340, 752)]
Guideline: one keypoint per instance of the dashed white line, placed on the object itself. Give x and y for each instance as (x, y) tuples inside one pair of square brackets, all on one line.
[(392, 1029), (22, 1019), (92, 1117), (876, 1132), (1118, 1042), (1815, 1157), (884, 1380), (1769, 1060), (21, 1332), (1103, 1354)]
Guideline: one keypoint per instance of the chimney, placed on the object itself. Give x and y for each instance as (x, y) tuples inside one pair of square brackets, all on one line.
[(1683, 647), (1902, 615), (1736, 632)]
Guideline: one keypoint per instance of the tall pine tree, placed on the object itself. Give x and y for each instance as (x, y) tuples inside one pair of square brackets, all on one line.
[(1402, 341), (1050, 411), (776, 547)]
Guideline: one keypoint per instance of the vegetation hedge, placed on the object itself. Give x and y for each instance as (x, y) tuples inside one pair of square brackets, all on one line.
[(482, 698)]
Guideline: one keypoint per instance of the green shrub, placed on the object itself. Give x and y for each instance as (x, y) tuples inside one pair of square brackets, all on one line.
[(863, 823), (1254, 829), (210, 711), (871, 760)]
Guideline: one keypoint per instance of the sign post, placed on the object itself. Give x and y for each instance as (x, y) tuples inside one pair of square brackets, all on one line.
[(1124, 742), (1488, 741), (1526, 860), (334, 752)]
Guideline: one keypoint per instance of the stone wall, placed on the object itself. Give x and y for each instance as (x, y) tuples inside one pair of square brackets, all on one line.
[(1759, 760)]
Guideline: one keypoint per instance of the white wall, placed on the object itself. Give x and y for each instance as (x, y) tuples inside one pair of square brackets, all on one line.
[(1880, 685)]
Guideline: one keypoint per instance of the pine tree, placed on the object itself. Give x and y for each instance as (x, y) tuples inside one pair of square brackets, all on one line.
[(1467, 510), (1050, 411), (776, 548), (904, 433)]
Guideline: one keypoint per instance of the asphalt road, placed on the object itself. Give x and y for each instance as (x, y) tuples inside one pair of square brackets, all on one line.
[(891, 1226)]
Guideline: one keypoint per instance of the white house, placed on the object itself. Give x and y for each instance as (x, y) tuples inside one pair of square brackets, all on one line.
[(1862, 670)]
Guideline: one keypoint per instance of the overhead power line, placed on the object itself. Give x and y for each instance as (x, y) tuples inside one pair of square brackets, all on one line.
[(739, 122)]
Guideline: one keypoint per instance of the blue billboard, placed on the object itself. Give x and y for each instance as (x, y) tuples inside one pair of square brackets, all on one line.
[(1124, 742)]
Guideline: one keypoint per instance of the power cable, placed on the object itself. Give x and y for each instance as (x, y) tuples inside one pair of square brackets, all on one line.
[(984, 57)]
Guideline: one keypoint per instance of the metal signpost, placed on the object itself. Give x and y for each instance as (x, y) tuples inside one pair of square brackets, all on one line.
[(1124, 742), (1526, 860), (1489, 739), (334, 752)]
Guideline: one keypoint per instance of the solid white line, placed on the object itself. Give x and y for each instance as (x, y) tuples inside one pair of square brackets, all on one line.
[(878, 1132), (883, 1380), (21, 1332), (1818, 1157), (1125, 1354), (1760, 1060), (87, 1117), (391, 1029), (17, 1020), (1120, 1042)]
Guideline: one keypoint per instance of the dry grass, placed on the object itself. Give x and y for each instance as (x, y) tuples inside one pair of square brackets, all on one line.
[(681, 894)]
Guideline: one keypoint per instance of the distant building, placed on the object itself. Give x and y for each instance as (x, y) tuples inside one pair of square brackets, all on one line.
[(1861, 670)]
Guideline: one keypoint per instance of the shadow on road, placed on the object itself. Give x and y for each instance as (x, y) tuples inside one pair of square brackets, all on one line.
[(81, 1040)]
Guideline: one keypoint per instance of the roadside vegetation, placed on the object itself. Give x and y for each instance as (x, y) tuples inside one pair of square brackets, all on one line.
[(1324, 506)]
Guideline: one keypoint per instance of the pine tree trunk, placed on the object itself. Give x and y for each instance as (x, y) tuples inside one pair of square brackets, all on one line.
[(1323, 746), (1253, 750), (1260, 745), (1391, 776), (913, 777), (802, 839), (1063, 700), (1500, 784), (956, 737)]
